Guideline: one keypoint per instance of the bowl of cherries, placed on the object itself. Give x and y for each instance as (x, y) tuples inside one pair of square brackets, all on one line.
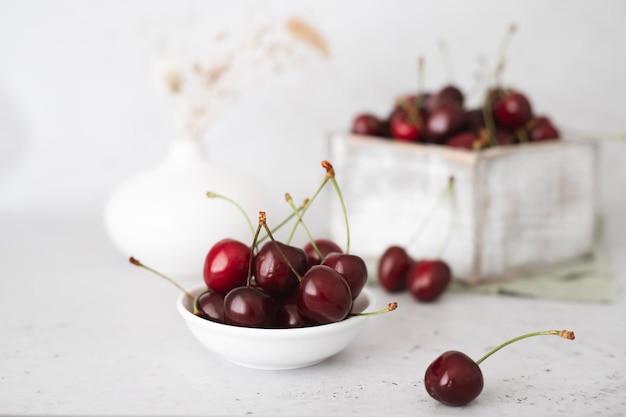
[(273, 305)]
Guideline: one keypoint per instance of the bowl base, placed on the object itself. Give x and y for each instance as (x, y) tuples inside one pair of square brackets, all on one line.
[(275, 367)]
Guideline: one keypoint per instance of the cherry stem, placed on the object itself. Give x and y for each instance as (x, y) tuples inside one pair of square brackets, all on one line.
[(431, 212), (306, 229), (489, 122), (154, 271), (452, 196), (262, 220), (196, 301), (522, 135), (443, 49), (501, 52), (211, 194), (330, 173), (420, 85), (390, 307), (413, 111), (306, 206), (566, 334), (282, 254), (284, 222)]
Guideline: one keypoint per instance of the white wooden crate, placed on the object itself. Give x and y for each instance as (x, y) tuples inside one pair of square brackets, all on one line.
[(518, 208)]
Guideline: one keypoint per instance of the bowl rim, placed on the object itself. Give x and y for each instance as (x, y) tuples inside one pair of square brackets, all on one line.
[(366, 294)]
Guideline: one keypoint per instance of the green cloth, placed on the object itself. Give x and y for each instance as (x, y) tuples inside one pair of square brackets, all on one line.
[(588, 279)]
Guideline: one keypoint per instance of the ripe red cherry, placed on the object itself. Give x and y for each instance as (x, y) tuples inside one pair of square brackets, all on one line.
[(323, 295), (505, 138), (540, 129), (444, 121), (351, 267), (449, 94), (475, 119), (226, 265), (288, 316), (462, 140), (393, 268), (406, 126), (428, 279), (272, 272), (367, 124), (453, 379), (512, 110), (249, 307), (210, 305), (325, 247)]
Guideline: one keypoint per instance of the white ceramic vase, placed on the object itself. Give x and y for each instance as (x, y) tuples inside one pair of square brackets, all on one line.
[(164, 218)]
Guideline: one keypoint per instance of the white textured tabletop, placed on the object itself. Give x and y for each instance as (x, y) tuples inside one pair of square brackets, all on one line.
[(85, 333)]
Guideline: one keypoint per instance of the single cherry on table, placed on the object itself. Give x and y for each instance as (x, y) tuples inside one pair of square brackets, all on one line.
[(453, 378)]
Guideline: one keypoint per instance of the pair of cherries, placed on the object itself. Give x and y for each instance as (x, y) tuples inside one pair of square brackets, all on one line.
[(425, 279), (280, 286)]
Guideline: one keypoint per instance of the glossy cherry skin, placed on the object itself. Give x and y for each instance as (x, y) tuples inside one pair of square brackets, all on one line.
[(512, 110), (393, 268), (406, 127), (211, 306), (249, 307), (272, 272), (541, 129), (226, 265), (351, 267), (453, 379), (288, 316), (428, 279), (445, 121), (367, 124), (323, 295), (325, 247)]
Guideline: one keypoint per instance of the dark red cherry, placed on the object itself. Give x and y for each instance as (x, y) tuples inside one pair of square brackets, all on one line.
[(323, 295), (210, 305), (393, 268), (475, 119), (249, 307), (272, 272), (406, 126), (540, 129), (428, 279), (367, 124), (504, 137), (288, 316), (512, 110), (444, 121), (351, 267), (449, 94), (463, 140), (454, 379), (325, 247), (226, 265)]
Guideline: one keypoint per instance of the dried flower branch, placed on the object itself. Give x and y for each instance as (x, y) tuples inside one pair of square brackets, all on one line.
[(204, 88)]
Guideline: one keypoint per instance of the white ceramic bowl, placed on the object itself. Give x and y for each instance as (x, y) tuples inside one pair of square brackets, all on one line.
[(275, 349)]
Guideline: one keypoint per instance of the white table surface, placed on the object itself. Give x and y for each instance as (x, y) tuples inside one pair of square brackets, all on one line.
[(82, 332)]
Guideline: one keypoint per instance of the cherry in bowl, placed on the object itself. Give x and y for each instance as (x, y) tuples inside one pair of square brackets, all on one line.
[(276, 349)]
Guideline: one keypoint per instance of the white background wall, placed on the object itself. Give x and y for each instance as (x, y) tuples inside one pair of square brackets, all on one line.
[(80, 112)]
